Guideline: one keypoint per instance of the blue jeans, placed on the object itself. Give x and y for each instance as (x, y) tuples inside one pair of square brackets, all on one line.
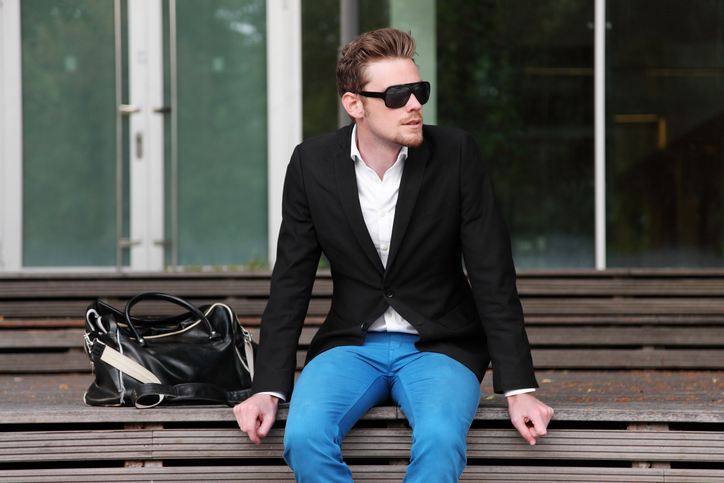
[(438, 395)]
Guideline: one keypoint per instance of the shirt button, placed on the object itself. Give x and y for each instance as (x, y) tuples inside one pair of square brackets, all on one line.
[(384, 248), (383, 214), (389, 314)]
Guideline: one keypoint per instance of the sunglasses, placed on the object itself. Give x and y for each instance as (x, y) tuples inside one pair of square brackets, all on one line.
[(397, 96)]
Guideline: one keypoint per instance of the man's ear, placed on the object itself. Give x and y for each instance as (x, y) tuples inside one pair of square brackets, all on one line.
[(353, 105)]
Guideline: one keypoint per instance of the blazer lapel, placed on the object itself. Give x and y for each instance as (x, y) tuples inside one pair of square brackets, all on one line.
[(409, 191), (349, 199)]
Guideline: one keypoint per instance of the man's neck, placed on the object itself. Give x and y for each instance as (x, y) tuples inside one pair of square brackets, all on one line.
[(378, 156)]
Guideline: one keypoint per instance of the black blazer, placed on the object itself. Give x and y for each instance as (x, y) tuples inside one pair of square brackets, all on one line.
[(446, 212)]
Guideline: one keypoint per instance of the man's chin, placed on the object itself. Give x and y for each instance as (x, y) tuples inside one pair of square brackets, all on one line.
[(412, 141)]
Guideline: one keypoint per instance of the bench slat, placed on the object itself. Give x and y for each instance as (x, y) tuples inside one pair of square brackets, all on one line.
[(370, 473), (51, 362), (607, 359), (627, 359), (538, 336), (667, 446)]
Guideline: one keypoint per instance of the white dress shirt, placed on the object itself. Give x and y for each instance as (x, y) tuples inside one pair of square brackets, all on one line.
[(378, 200)]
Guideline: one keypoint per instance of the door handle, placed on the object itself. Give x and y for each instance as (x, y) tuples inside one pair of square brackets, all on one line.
[(139, 145), (128, 109)]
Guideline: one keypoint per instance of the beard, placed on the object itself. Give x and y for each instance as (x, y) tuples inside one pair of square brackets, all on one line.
[(411, 140)]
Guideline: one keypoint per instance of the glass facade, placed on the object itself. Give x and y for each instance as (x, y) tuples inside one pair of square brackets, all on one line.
[(222, 132), (665, 125), (70, 142), (520, 76), (69, 133)]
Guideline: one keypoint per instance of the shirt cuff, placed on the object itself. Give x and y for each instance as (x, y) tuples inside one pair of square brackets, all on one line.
[(280, 395), (515, 392)]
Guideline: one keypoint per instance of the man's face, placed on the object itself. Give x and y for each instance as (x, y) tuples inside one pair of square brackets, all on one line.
[(402, 126)]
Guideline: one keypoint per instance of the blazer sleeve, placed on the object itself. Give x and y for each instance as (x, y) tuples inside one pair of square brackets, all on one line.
[(298, 252), (489, 263)]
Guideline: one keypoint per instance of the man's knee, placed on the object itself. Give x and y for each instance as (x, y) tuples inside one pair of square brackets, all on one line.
[(440, 439), (308, 434)]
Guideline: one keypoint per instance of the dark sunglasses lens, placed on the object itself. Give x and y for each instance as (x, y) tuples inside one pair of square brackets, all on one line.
[(422, 92), (397, 96)]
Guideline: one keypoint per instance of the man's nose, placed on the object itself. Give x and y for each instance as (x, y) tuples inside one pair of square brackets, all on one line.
[(413, 104)]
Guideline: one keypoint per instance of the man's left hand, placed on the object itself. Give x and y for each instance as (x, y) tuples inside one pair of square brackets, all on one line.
[(529, 416)]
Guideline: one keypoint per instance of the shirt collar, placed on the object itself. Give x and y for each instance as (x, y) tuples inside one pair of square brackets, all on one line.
[(354, 150)]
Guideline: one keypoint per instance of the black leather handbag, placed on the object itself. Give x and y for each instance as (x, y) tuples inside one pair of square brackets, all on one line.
[(203, 355)]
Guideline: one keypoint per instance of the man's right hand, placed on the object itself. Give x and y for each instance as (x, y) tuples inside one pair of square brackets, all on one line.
[(256, 415)]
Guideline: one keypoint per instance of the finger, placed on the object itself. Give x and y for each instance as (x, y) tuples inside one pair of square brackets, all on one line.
[(524, 430), (537, 428), (254, 436), (248, 423), (265, 426)]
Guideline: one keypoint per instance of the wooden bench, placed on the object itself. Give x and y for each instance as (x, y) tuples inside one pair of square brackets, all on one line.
[(616, 319), (76, 443), (630, 359)]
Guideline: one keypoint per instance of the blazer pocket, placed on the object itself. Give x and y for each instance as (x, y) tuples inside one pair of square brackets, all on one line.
[(460, 316)]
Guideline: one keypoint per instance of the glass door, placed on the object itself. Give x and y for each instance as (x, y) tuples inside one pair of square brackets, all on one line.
[(144, 134), (69, 134), (217, 73)]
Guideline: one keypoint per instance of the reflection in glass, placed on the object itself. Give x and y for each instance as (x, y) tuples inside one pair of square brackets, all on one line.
[(320, 48), (519, 76), (68, 61), (222, 150), (665, 125)]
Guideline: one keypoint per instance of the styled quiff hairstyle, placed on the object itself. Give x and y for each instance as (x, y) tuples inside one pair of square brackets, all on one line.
[(379, 44)]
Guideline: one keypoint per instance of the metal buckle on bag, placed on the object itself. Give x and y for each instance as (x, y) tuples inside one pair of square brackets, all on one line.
[(88, 342)]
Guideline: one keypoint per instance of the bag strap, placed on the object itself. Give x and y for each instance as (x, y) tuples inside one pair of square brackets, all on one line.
[(184, 393)]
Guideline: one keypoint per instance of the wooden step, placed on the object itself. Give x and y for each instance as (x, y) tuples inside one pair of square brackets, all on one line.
[(361, 474)]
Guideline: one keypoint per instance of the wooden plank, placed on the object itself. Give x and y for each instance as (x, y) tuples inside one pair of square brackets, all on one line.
[(626, 336), (90, 286), (610, 445), (73, 338), (366, 473), (609, 282), (28, 446), (606, 359), (634, 337), (37, 339), (628, 286), (47, 323), (482, 443), (624, 320), (76, 308), (320, 306), (51, 362), (693, 475), (539, 336), (623, 306)]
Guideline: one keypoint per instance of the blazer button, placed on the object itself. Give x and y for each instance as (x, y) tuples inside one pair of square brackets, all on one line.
[(365, 326), (389, 294)]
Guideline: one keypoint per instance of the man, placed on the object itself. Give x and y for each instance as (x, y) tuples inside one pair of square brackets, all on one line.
[(396, 207)]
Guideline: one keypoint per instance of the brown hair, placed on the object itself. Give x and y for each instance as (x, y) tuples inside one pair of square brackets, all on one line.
[(379, 44)]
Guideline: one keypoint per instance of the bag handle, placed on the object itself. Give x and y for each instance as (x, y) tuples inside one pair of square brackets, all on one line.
[(213, 335)]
